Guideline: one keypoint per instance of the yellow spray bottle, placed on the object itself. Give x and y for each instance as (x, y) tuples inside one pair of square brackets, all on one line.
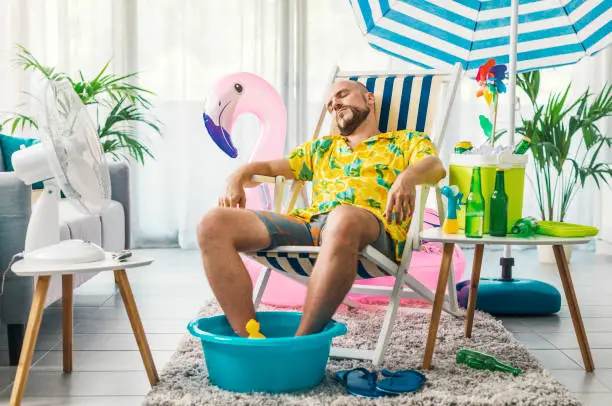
[(454, 196)]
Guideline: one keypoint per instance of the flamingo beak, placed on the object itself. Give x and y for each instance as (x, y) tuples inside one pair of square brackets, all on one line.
[(217, 120)]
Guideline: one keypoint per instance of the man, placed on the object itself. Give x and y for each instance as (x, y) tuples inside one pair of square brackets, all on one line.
[(363, 193)]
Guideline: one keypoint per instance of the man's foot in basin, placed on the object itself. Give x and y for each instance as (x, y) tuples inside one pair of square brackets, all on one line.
[(222, 234), (347, 230)]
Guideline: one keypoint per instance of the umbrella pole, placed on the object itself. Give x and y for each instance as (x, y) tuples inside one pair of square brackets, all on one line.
[(512, 71), (507, 261)]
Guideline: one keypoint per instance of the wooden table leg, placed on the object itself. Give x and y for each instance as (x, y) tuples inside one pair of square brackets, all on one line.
[(476, 266), (67, 320), (130, 306), (29, 342), (447, 259), (572, 302)]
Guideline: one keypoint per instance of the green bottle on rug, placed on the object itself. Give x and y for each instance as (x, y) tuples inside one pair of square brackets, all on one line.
[(478, 360)]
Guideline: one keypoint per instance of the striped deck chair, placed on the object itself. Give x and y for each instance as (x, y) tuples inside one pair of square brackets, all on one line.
[(403, 101)]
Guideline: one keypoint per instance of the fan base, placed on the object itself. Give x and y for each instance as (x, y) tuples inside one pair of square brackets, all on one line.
[(67, 252)]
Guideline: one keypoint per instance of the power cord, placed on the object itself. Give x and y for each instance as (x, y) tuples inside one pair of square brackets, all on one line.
[(15, 258)]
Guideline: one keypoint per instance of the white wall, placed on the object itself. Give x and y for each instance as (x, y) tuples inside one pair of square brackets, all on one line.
[(604, 245)]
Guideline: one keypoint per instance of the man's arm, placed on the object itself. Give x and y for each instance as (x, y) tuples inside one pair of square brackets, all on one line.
[(279, 167), (298, 165), (402, 195), (428, 171), (241, 178)]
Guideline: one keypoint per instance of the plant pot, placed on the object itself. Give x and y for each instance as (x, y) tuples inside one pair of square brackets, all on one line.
[(547, 256)]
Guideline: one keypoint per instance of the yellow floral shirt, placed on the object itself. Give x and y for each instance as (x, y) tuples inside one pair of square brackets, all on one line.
[(360, 177)]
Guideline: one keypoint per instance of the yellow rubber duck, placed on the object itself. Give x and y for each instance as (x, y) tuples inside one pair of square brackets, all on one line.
[(252, 327)]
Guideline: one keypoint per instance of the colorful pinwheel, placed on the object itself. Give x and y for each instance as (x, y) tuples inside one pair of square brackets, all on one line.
[(490, 80)]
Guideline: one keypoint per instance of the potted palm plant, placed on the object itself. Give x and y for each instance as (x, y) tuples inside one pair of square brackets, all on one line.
[(566, 144), (119, 108)]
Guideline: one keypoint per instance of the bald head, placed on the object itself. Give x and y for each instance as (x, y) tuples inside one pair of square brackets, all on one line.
[(349, 103), (345, 86), (361, 86)]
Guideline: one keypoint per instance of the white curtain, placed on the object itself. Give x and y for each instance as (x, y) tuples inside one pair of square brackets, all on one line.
[(69, 35), (182, 47)]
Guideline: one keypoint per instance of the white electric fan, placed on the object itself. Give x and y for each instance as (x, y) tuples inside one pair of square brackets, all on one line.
[(69, 158)]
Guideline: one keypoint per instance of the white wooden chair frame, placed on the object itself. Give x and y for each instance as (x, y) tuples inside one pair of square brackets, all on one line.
[(397, 292)]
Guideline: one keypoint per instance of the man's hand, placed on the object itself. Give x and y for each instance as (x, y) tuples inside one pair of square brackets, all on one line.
[(401, 199), (241, 178), (234, 194), (402, 195)]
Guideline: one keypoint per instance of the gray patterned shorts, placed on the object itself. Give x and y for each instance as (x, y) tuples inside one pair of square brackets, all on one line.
[(291, 230)]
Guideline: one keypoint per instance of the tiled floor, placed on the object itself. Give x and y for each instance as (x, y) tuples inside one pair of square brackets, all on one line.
[(108, 369)]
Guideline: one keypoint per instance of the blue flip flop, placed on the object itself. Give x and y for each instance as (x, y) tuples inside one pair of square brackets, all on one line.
[(360, 382), (401, 381)]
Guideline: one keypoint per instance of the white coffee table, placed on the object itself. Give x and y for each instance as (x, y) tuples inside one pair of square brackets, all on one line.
[(44, 272), (449, 241)]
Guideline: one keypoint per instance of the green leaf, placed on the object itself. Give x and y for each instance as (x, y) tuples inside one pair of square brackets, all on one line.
[(327, 206), (298, 153), (322, 146), (395, 149), (354, 168), (28, 62), (373, 203), (500, 134), (529, 82), (380, 168), (347, 195), (333, 164), (305, 173), (383, 183), (486, 125), (14, 126), (18, 120)]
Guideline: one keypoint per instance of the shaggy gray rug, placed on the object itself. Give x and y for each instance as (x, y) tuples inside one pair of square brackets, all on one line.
[(184, 380)]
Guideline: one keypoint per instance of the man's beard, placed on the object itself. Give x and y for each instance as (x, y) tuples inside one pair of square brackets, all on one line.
[(347, 127)]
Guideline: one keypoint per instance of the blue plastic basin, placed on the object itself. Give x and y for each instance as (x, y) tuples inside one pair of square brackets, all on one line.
[(278, 363)]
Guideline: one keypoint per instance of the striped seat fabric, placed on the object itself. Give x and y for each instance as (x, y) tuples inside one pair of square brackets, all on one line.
[(302, 263), (403, 102)]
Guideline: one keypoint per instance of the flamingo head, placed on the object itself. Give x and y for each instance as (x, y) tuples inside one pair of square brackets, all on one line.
[(231, 96)]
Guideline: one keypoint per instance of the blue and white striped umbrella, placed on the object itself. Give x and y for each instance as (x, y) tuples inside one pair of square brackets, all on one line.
[(440, 33)]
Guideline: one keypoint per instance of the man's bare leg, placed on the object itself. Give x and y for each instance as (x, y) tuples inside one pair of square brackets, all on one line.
[(347, 230), (222, 233)]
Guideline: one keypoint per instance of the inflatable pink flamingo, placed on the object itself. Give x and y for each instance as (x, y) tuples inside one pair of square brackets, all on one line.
[(240, 93), (232, 96)]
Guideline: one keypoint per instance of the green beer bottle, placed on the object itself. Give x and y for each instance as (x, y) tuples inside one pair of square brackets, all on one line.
[(463, 146), (499, 207), (474, 208), (522, 146), (525, 227), (478, 360)]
